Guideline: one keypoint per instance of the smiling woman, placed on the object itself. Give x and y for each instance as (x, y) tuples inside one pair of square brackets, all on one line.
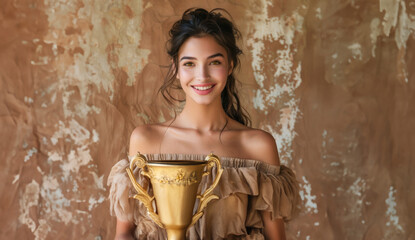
[(256, 194)]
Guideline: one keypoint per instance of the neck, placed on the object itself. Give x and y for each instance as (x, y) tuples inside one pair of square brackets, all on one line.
[(204, 118)]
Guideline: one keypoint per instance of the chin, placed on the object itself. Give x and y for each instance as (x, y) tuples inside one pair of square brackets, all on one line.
[(206, 100), (203, 102)]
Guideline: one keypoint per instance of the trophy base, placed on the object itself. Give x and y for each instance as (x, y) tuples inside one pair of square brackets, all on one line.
[(176, 234)]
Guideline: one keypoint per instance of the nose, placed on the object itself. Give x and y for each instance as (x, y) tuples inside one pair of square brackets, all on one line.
[(202, 73)]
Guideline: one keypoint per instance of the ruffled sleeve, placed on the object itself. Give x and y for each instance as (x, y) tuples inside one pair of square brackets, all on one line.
[(278, 194), (246, 188), (125, 207), (121, 205), (270, 188)]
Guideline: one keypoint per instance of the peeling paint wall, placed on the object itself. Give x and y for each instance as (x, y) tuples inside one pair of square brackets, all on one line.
[(331, 80)]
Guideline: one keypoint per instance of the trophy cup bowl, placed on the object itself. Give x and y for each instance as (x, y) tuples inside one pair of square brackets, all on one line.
[(175, 184)]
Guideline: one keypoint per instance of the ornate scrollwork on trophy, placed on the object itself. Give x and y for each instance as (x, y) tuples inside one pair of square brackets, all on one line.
[(142, 195), (181, 178)]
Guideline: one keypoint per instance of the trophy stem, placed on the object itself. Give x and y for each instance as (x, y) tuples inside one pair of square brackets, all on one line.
[(176, 234)]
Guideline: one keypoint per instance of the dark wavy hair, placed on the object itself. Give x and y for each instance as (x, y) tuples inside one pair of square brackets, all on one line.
[(197, 22)]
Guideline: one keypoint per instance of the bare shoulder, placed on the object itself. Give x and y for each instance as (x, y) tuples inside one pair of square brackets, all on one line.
[(260, 145), (145, 138)]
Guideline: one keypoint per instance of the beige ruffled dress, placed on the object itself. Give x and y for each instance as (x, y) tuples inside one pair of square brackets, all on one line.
[(245, 188)]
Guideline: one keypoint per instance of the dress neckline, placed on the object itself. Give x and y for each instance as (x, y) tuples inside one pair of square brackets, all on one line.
[(227, 162)]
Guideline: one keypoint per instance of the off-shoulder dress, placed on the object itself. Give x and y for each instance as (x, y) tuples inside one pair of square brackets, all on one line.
[(245, 188)]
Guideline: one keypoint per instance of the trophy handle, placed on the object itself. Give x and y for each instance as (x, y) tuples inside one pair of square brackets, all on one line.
[(207, 196), (140, 161)]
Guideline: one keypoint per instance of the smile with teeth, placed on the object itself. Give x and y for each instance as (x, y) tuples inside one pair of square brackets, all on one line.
[(202, 88)]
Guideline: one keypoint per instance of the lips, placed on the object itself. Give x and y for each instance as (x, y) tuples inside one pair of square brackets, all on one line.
[(203, 89)]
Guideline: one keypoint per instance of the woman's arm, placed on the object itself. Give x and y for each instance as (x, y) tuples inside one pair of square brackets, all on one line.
[(124, 230), (263, 147), (274, 229)]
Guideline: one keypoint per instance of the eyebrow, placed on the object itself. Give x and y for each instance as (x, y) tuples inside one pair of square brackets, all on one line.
[(212, 56)]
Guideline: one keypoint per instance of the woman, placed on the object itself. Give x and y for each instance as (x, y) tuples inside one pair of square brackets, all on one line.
[(256, 194)]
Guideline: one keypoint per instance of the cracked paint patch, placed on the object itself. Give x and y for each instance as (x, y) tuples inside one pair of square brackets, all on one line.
[(391, 213), (29, 199), (30, 153), (375, 32), (28, 100), (95, 136), (318, 14), (279, 88), (356, 49), (285, 137), (397, 16), (356, 195), (43, 230), (390, 18), (306, 196), (16, 178)]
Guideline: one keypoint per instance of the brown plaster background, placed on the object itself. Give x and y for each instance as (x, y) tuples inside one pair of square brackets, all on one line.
[(333, 81)]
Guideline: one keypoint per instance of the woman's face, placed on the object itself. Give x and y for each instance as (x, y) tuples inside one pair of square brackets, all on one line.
[(203, 69)]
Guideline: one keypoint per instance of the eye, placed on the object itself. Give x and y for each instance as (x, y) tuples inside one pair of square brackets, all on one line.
[(188, 64), (216, 62)]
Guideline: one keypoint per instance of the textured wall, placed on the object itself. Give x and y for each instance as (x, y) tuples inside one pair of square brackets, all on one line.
[(333, 81)]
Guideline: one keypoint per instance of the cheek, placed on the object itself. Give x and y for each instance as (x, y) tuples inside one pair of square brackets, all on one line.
[(220, 73), (184, 73)]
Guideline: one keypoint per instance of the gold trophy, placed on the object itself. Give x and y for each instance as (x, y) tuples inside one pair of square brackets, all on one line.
[(175, 185)]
